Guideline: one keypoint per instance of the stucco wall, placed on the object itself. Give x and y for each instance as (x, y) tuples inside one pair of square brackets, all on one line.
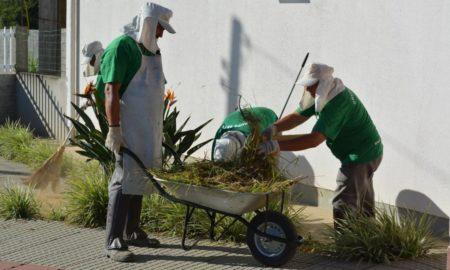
[(393, 54)]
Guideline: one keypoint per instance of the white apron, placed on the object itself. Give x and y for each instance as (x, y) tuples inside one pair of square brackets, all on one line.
[(141, 119)]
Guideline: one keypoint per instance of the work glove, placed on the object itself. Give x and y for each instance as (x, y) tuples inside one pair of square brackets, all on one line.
[(269, 147), (114, 139), (269, 132)]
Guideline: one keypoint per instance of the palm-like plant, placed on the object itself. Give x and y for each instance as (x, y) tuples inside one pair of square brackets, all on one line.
[(89, 138), (177, 142)]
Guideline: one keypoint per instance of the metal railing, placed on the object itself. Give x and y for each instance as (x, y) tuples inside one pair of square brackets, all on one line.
[(7, 49), (45, 104)]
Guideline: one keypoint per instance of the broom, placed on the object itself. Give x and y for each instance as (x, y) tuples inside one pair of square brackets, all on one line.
[(50, 171)]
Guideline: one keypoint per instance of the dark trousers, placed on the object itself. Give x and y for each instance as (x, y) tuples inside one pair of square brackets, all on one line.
[(354, 190), (124, 212)]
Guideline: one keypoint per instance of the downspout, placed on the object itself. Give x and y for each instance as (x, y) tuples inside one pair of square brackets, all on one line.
[(72, 56)]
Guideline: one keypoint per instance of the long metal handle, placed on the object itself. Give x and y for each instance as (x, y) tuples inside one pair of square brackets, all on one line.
[(293, 86)]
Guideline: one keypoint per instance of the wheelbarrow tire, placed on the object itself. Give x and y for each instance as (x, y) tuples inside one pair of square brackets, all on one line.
[(277, 223)]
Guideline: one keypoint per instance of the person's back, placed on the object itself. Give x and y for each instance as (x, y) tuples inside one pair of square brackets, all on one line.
[(351, 135), (234, 126)]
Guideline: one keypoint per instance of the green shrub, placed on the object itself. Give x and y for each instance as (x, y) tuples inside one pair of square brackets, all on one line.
[(14, 138), (18, 202), (87, 195), (382, 239)]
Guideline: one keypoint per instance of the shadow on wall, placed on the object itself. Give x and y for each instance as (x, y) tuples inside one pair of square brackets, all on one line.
[(411, 199), (298, 167), (28, 114), (231, 82)]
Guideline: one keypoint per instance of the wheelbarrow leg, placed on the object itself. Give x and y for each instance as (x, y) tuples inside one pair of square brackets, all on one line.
[(212, 218), (187, 218)]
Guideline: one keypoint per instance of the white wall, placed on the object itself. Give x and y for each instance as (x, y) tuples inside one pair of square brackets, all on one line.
[(393, 54)]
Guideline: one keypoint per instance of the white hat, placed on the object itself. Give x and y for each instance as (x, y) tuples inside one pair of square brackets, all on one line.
[(161, 13), (89, 50), (311, 75), (327, 89), (143, 27)]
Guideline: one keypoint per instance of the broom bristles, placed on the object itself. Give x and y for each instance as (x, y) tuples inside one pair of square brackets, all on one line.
[(48, 173)]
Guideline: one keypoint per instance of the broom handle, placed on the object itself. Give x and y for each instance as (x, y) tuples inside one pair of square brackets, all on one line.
[(71, 129), (293, 86)]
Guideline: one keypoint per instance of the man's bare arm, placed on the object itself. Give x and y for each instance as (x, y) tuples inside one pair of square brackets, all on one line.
[(302, 142), (112, 104), (290, 121)]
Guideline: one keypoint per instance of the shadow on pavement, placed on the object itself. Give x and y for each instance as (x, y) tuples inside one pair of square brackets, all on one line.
[(234, 250)]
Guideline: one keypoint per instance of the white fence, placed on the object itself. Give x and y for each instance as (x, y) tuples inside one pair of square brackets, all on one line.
[(7, 50), (35, 51)]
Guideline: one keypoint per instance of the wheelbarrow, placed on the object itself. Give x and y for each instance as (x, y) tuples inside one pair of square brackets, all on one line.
[(271, 236)]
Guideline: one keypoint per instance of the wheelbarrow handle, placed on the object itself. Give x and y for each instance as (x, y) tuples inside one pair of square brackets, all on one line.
[(145, 170)]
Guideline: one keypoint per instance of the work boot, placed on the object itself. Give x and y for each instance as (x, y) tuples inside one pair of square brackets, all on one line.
[(140, 239), (120, 255)]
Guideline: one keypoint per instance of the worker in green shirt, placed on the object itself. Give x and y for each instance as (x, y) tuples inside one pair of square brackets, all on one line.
[(345, 125), (230, 137), (131, 83)]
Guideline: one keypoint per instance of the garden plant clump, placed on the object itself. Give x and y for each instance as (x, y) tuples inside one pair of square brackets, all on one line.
[(18, 202), (251, 172), (87, 196), (382, 239)]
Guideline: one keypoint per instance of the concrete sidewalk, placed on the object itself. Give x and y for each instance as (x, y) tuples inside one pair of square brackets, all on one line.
[(61, 246)]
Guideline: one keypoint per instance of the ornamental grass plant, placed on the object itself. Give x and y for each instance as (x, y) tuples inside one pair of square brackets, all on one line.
[(385, 238), (86, 197), (18, 202)]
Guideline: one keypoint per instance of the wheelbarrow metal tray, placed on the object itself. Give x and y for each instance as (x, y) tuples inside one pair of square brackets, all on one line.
[(232, 202)]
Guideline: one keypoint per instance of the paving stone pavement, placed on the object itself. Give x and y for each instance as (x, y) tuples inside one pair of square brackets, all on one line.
[(12, 172), (62, 246)]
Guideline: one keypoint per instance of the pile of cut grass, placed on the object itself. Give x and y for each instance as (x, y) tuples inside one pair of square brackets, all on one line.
[(227, 176), (250, 172)]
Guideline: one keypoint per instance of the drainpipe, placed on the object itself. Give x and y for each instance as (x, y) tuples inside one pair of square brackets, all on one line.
[(72, 55)]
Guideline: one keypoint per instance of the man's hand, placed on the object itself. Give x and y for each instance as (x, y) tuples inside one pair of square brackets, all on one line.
[(269, 132), (114, 139), (269, 147)]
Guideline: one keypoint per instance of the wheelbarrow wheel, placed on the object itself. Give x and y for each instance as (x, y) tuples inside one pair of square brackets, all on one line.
[(272, 252)]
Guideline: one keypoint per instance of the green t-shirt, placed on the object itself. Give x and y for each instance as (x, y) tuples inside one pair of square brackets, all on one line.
[(235, 122), (351, 135), (120, 61)]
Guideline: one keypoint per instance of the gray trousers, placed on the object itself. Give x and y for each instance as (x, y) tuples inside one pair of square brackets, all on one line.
[(354, 190), (124, 212)]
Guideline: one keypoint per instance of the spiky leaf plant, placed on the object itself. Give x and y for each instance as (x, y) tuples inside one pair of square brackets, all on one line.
[(87, 196), (380, 239), (18, 202)]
